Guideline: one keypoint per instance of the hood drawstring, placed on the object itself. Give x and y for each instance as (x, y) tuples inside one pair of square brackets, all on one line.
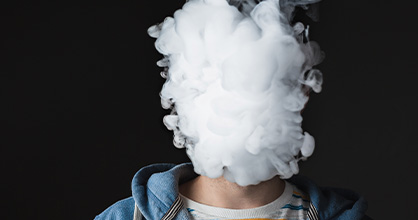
[(172, 212)]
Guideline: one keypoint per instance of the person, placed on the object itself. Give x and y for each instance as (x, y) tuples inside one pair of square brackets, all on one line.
[(244, 150)]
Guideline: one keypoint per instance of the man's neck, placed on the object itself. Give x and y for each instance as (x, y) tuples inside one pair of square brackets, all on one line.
[(224, 194)]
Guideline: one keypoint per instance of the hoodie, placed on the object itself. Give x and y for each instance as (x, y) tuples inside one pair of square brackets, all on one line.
[(155, 196)]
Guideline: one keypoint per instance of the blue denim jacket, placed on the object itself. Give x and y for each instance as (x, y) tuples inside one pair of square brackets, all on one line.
[(155, 193)]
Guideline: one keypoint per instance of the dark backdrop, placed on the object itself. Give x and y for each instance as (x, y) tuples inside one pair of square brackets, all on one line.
[(80, 111)]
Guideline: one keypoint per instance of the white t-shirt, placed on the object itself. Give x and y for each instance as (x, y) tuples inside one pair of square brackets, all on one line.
[(293, 204)]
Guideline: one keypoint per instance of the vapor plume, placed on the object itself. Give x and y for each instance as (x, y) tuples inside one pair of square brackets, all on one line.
[(237, 77)]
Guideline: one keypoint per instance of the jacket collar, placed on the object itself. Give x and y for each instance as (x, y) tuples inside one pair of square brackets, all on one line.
[(332, 203), (155, 190)]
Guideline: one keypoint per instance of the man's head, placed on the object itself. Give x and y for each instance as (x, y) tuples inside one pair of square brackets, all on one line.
[(236, 84)]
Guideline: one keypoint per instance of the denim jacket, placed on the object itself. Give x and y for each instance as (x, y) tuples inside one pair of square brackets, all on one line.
[(155, 196)]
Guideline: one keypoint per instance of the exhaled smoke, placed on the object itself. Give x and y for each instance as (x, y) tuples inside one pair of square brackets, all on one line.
[(237, 77)]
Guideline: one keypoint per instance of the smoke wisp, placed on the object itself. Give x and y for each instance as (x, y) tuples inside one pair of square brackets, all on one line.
[(237, 76)]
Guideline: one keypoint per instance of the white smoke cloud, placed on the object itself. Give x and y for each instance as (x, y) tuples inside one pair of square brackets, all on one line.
[(237, 76)]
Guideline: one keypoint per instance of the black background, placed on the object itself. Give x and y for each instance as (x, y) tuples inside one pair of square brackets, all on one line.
[(80, 111)]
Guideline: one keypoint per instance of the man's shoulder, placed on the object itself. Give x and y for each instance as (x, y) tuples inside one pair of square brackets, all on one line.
[(121, 210), (331, 202)]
